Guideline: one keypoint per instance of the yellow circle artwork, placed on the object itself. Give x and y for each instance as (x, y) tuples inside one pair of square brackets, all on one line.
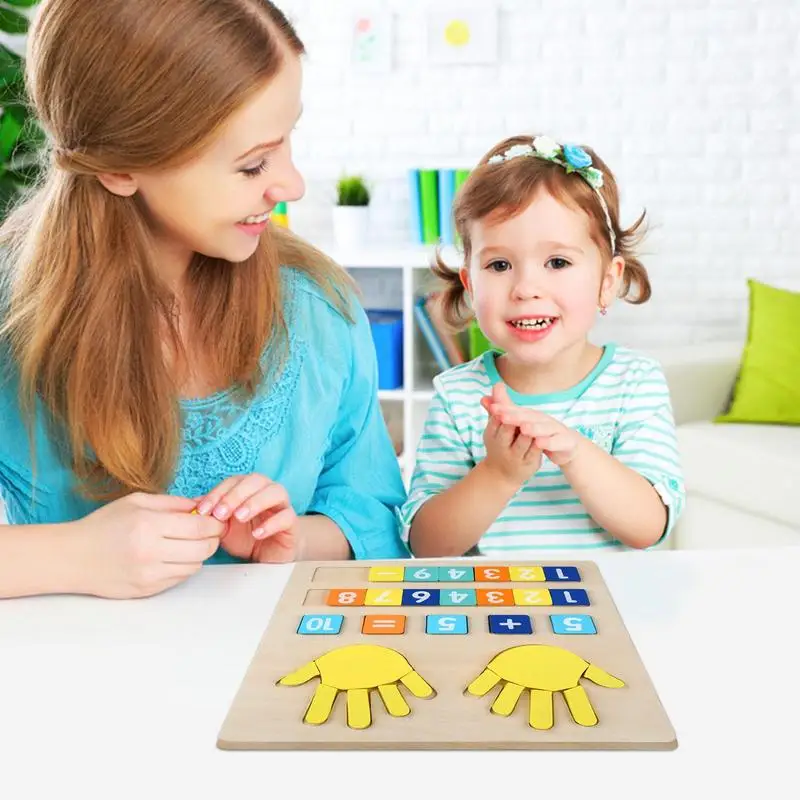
[(457, 33)]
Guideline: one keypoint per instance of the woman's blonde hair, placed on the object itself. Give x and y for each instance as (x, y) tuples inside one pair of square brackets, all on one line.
[(501, 192), (123, 86)]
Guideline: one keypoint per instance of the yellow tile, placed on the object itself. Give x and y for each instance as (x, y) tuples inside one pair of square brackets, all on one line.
[(526, 573), (532, 597), (386, 574), (384, 597)]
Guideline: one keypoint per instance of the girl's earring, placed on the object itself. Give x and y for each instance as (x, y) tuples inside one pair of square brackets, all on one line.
[(603, 309)]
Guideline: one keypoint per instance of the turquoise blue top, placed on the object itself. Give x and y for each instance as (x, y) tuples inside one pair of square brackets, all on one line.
[(317, 429)]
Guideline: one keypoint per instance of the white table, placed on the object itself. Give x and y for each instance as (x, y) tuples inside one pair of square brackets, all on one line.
[(124, 699)]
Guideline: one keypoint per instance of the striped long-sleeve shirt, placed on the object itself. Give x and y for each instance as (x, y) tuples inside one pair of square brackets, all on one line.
[(623, 406)]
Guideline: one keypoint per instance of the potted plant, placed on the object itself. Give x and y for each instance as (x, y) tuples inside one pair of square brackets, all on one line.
[(351, 213), (21, 138)]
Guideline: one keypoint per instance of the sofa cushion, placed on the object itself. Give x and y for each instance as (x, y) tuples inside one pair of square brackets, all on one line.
[(752, 467), (767, 389)]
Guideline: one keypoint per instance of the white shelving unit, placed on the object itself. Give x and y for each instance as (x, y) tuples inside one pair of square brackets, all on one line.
[(393, 277)]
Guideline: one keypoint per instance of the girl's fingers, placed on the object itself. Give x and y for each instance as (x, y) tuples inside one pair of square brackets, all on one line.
[(505, 435), (533, 452), (521, 445), (277, 523)]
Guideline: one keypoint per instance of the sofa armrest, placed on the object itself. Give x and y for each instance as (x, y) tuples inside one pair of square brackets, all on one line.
[(700, 378)]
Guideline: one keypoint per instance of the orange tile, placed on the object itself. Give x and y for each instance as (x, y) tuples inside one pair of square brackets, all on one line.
[(384, 623), (346, 597), (491, 574), (495, 597)]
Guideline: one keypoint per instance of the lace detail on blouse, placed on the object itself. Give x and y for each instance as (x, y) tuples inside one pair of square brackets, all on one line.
[(223, 435)]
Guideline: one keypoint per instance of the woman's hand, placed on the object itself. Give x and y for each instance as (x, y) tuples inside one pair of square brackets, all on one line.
[(143, 544), (259, 518)]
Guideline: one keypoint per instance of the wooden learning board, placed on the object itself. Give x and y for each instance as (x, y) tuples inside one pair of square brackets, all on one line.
[(415, 654)]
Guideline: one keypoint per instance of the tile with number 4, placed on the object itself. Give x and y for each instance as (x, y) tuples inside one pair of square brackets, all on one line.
[(452, 574), (457, 597)]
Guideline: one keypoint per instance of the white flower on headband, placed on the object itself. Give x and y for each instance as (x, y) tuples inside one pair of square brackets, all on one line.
[(518, 150), (593, 177), (546, 146)]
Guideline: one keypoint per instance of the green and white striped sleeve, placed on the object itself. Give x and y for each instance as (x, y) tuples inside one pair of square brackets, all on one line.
[(646, 442), (442, 457)]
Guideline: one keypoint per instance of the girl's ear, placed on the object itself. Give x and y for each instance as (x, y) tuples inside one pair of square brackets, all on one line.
[(121, 184), (463, 274), (611, 281)]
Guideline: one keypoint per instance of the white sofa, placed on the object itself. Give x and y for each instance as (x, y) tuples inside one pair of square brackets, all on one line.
[(742, 481)]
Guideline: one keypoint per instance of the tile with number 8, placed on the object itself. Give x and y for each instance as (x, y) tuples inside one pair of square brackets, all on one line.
[(346, 597)]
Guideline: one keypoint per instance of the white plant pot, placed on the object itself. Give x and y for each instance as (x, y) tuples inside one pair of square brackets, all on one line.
[(350, 225)]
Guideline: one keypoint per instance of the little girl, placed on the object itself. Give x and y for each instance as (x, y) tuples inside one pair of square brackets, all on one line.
[(547, 442)]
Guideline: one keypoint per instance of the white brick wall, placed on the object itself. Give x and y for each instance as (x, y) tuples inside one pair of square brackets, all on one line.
[(695, 104)]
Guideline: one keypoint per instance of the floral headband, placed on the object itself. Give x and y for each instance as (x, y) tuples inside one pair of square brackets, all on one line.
[(569, 156)]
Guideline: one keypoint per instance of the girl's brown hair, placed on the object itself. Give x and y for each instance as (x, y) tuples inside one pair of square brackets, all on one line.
[(500, 192), (123, 86)]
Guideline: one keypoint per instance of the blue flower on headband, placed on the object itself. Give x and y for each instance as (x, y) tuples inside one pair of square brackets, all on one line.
[(576, 156)]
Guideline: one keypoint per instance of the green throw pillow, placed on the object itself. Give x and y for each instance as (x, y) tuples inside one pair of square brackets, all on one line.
[(768, 385)]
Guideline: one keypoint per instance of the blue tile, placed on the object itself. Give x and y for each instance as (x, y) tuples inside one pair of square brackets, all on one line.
[(451, 574), (420, 597), (561, 574), (510, 623), (569, 597), (457, 597), (572, 623), (329, 624), (446, 623), (421, 574)]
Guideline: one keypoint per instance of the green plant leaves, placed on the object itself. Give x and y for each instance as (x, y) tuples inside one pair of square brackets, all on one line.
[(352, 191), (12, 21)]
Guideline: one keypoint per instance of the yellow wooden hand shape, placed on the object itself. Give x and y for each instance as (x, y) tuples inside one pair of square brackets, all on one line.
[(543, 669), (356, 669)]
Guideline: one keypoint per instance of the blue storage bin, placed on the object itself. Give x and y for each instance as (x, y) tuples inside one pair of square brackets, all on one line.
[(387, 333)]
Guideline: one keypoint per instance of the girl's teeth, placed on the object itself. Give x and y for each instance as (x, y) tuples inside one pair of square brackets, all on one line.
[(254, 220), (533, 323)]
